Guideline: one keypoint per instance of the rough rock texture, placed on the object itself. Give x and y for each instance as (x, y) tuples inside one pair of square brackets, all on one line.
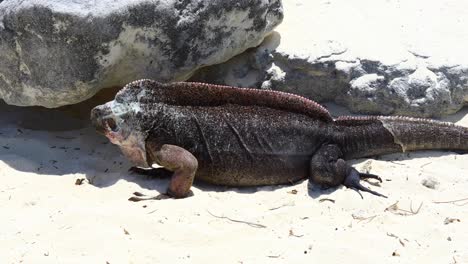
[(59, 52), (374, 56)]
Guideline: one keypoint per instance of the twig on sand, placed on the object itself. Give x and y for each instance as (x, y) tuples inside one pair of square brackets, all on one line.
[(281, 206), (397, 163), (326, 200), (238, 221), (399, 239), (291, 233), (396, 210), (79, 181), (361, 218), (425, 164), (449, 220), (454, 202)]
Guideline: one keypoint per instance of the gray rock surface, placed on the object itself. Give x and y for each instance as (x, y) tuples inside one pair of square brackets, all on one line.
[(372, 56), (59, 52)]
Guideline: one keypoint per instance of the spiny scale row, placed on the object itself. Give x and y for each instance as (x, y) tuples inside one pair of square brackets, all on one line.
[(363, 119)]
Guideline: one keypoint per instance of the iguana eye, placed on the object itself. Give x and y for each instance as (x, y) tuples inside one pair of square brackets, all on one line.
[(110, 122)]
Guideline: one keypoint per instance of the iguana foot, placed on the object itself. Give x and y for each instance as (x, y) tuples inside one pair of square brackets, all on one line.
[(327, 167), (353, 179)]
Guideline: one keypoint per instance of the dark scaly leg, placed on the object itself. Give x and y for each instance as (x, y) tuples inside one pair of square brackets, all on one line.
[(176, 159), (328, 168)]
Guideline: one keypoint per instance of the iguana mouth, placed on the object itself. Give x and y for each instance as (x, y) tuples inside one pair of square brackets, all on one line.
[(103, 121), (114, 136), (111, 125)]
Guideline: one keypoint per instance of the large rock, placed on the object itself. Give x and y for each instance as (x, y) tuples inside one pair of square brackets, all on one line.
[(374, 57), (59, 52)]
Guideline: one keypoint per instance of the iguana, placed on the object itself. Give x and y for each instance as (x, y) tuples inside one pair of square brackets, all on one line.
[(249, 137)]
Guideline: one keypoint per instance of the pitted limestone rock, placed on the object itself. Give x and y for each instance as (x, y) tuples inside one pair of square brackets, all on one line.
[(59, 52), (364, 59)]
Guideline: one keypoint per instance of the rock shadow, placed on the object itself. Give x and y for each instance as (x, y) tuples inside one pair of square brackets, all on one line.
[(57, 141)]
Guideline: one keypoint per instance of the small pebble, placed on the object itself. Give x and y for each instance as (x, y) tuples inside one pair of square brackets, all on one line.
[(431, 183)]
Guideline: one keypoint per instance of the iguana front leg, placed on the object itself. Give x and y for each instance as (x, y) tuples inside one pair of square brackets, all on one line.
[(175, 159), (327, 167)]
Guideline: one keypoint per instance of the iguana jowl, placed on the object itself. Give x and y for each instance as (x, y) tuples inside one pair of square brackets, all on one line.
[(248, 137)]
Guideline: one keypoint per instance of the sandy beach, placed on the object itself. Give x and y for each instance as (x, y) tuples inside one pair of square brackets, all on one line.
[(48, 218)]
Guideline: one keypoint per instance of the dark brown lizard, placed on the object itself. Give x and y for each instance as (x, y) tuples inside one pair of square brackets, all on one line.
[(248, 137)]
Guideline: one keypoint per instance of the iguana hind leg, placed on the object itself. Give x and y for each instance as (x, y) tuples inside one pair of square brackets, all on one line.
[(327, 167)]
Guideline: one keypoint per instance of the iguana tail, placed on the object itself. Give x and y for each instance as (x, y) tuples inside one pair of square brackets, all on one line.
[(368, 136)]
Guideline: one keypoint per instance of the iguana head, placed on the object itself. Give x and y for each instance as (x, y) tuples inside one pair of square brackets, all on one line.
[(125, 122)]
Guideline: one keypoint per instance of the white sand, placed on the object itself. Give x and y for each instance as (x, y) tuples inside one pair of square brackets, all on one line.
[(46, 218)]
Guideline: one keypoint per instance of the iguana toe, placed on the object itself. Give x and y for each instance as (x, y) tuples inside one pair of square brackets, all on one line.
[(369, 176)]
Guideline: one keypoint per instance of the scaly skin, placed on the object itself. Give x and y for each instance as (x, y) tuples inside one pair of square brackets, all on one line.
[(247, 137)]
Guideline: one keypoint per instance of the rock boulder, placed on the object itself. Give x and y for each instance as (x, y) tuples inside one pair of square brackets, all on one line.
[(374, 57), (59, 52)]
